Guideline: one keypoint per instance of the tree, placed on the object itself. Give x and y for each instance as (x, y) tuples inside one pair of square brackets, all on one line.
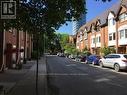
[(64, 39)]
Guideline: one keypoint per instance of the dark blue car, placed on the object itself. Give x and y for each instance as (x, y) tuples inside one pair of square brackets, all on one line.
[(93, 59)]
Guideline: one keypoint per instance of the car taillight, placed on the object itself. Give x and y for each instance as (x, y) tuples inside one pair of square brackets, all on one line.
[(124, 60)]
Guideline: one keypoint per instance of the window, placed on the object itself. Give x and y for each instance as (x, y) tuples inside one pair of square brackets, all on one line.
[(121, 34), (99, 38), (123, 17), (125, 33), (111, 21), (114, 36), (93, 40), (115, 56), (85, 35), (108, 56), (125, 56), (80, 36), (98, 28), (110, 37)]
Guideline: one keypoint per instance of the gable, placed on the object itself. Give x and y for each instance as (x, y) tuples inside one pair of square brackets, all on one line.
[(111, 15), (122, 9)]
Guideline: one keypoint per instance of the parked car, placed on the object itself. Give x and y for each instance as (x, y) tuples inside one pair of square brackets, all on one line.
[(78, 58), (60, 54), (83, 58), (116, 61), (93, 59), (72, 56)]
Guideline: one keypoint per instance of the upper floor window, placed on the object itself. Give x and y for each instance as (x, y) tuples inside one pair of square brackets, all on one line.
[(80, 36), (111, 21), (98, 28), (123, 17), (85, 35)]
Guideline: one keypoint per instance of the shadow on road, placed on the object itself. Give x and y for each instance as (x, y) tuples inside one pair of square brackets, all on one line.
[(52, 89)]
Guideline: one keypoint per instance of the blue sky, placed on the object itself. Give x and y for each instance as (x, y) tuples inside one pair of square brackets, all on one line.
[(94, 8)]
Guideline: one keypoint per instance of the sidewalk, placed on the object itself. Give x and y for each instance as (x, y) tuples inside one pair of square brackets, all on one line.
[(23, 82)]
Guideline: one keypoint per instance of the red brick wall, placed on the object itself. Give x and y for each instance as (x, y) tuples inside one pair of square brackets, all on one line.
[(10, 37)]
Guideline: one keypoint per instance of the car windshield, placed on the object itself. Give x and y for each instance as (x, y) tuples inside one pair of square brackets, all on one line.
[(125, 56)]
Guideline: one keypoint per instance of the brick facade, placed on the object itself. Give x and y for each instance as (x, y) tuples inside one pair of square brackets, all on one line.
[(14, 45)]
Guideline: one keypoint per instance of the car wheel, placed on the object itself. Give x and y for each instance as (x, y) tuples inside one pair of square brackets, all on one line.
[(101, 64), (117, 67)]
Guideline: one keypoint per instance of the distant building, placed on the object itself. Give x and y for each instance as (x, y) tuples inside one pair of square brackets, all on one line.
[(74, 27), (77, 24)]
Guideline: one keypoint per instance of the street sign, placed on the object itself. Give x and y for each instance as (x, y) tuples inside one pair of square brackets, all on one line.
[(8, 9)]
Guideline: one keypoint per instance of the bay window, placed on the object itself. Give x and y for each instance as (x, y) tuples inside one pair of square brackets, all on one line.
[(123, 34), (123, 17)]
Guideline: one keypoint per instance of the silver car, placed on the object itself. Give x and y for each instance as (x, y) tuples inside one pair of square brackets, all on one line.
[(116, 61)]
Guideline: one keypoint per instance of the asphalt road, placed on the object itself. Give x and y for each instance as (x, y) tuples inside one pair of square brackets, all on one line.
[(66, 77)]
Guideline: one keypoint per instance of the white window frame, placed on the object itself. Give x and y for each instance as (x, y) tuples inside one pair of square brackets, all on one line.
[(123, 34), (112, 37)]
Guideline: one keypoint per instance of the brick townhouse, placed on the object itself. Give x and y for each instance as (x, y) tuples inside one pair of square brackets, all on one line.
[(109, 29), (12, 47)]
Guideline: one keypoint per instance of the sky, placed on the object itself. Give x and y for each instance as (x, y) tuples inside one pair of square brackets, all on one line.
[(94, 8)]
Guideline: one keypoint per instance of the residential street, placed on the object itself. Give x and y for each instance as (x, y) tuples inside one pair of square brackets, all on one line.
[(66, 77)]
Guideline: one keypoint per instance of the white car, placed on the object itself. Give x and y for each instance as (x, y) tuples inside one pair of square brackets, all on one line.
[(116, 61)]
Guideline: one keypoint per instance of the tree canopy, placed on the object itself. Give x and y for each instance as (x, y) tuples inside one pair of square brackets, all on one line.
[(45, 14)]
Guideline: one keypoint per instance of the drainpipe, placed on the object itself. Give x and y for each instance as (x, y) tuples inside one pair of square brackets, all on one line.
[(24, 47), (17, 47), (117, 38)]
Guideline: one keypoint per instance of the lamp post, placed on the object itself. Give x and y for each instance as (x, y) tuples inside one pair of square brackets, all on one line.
[(37, 42)]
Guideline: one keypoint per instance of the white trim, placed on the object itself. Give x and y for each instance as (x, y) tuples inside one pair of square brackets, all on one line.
[(122, 27)]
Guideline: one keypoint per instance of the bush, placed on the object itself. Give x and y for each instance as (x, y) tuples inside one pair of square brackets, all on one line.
[(87, 53), (107, 50)]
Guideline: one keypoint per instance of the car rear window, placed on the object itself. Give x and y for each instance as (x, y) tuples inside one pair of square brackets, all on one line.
[(125, 56)]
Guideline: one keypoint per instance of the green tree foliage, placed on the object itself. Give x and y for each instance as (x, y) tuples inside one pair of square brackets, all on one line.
[(70, 49), (86, 51), (64, 39), (107, 50)]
